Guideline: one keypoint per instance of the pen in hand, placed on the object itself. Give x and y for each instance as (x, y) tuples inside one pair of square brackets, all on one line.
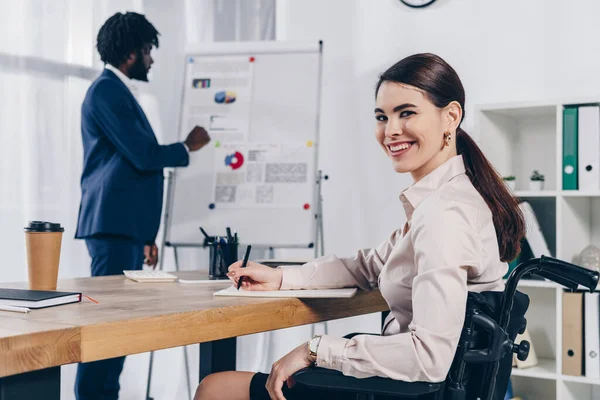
[(244, 265)]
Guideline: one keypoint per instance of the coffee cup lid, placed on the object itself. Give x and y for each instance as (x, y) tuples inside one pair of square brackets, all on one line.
[(43, 226)]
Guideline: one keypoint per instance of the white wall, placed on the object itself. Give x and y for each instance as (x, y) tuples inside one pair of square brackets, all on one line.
[(166, 75), (504, 51)]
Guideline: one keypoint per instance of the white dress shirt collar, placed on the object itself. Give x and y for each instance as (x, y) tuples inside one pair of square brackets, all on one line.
[(416, 193), (125, 79)]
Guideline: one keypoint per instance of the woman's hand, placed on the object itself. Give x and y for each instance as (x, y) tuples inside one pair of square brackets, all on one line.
[(256, 276), (283, 369)]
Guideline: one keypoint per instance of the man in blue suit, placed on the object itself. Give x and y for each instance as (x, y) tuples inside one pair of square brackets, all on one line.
[(122, 179)]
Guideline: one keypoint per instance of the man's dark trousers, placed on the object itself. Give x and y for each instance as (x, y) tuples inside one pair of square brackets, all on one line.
[(99, 380)]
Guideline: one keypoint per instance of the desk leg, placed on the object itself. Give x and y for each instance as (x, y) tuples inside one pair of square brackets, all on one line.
[(217, 356), (42, 384)]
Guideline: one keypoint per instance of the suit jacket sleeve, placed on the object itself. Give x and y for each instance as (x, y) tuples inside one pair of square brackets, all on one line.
[(116, 116)]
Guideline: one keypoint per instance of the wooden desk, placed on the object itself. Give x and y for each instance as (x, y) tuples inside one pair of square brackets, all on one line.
[(136, 317)]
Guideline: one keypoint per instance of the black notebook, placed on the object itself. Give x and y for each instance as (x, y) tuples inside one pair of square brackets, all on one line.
[(35, 299)]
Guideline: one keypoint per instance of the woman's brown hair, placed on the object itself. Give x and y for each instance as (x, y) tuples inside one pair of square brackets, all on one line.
[(441, 84)]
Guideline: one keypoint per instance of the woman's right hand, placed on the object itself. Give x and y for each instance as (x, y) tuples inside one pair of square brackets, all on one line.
[(256, 276)]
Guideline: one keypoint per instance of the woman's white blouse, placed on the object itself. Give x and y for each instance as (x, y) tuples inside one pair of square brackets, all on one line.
[(447, 247)]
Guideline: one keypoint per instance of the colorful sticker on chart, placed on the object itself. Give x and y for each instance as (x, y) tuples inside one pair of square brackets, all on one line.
[(217, 144), (309, 143), (225, 97), (201, 83), (235, 160)]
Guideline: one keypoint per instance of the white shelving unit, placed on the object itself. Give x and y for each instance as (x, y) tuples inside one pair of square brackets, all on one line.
[(519, 138)]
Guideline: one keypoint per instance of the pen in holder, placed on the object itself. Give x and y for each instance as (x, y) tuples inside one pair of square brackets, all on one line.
[(223, 251)]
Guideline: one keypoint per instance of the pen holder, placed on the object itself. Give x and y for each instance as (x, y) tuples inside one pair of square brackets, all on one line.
[(221, 256)]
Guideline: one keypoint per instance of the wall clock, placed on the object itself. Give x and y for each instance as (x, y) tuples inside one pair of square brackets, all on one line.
[(418, 3)]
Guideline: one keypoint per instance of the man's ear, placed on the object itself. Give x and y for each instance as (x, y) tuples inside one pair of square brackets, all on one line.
[(454, 114), (131, 58)]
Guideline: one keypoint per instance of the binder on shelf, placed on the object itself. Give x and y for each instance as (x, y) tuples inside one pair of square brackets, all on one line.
[(533, 232), (589, 148), (572, 329), (570, 148), (592, 335)]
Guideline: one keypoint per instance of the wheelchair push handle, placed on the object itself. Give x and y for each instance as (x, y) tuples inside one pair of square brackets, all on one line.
[(557, 270)]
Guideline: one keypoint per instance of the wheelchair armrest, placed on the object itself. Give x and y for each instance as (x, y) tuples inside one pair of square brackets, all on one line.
[(322, 378)]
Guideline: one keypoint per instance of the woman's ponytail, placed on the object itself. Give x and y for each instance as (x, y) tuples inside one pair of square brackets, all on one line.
[(508, 218)]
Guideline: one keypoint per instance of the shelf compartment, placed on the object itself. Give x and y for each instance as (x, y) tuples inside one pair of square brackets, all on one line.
[(519, 141), (546, 369)]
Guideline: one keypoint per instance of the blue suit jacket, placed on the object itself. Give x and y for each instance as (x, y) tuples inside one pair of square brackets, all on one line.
[(122, 179)]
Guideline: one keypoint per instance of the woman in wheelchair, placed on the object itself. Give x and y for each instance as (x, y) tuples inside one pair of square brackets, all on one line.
[(463, 225)]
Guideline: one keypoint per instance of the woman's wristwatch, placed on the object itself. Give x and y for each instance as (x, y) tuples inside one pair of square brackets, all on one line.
[(313, 346)]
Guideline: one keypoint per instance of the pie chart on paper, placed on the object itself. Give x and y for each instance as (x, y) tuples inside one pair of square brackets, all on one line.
[(235, 160), (225, 97)]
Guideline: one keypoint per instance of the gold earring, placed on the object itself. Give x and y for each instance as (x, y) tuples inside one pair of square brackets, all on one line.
[(447, 138)]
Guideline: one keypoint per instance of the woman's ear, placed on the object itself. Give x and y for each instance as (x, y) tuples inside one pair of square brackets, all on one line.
[(453, 113)]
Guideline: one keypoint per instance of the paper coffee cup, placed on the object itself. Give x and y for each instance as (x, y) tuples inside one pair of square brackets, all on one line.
[(43, 243)]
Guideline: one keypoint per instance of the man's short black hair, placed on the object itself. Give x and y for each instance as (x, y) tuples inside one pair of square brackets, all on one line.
[(123, 34)]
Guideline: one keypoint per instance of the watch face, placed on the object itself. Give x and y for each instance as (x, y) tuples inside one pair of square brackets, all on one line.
[(418, 3)]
